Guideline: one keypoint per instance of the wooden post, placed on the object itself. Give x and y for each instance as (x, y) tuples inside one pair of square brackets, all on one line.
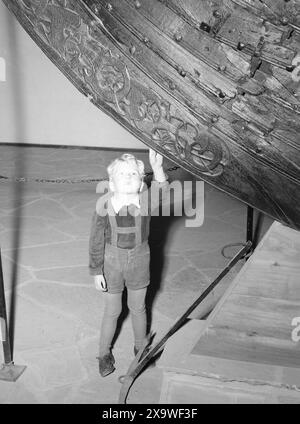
[(3, 319), (249, 231), (9, 371), (249, 235)]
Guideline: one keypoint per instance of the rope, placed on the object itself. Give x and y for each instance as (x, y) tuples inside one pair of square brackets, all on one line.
[(65, 180)]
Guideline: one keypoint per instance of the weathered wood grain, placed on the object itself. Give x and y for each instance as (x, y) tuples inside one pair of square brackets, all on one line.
[(253, 322), (244, 351), (212, 85)]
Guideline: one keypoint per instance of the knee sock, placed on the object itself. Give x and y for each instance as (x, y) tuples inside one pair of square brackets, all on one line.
[(112, 310), (136, 305)]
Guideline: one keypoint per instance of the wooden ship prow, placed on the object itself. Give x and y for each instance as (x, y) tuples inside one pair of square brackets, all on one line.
[(213, 85)]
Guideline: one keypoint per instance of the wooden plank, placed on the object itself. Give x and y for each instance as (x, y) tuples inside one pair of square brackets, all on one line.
[(280, 247), (199, 43), (220, 342), (249, 30), (228, 369), (280, 86), (268, 317), (193, 91), (285, 78), (253, 322), (269, 280), (274, 10), (160, 26), (185, 389)]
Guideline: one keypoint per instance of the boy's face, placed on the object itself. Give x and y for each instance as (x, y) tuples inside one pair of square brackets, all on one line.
[(126, 178)]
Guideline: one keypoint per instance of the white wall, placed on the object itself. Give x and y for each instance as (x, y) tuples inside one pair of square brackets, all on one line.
[(39, 105)]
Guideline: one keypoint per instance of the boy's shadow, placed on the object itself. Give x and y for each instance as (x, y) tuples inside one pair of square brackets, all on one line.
[(161, 235), (159, 230)]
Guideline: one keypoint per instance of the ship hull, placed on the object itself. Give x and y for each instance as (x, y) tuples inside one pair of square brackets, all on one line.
[(213, 86)]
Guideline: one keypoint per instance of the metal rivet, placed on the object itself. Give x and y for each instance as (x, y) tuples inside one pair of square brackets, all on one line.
[(109, 7), (241, 91), (205, 27), (182, 72), (241, 45), (216, 14), (172, 85), (290, 68), (146, 40), (214, 118), (132, 49), (137, 4), (284, 20), (222, 68), (95, 9), (296, 107), (178, 37)]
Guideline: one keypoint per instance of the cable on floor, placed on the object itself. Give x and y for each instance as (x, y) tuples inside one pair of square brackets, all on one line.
[(228, 246)]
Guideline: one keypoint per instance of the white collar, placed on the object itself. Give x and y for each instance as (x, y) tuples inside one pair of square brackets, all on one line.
[(118, 204)]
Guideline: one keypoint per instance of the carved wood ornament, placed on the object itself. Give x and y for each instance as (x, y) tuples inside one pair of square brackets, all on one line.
[(213, 85)]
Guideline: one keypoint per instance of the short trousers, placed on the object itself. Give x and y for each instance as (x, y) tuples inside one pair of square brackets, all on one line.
[(126, 267)]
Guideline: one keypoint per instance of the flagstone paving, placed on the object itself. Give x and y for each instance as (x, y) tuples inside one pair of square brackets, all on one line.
[(57, 311)]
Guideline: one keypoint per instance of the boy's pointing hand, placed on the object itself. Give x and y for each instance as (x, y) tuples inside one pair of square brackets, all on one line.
[(155, 159)]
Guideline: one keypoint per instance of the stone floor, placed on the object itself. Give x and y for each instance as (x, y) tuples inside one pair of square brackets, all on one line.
[(55, 312)]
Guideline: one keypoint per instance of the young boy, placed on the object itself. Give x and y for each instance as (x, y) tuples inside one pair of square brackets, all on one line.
[(119, 250)]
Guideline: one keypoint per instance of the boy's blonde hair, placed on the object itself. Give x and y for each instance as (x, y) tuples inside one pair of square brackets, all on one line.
[(126, 157)]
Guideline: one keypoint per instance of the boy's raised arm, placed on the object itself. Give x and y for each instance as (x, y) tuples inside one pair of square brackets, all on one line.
[(159, 186)]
